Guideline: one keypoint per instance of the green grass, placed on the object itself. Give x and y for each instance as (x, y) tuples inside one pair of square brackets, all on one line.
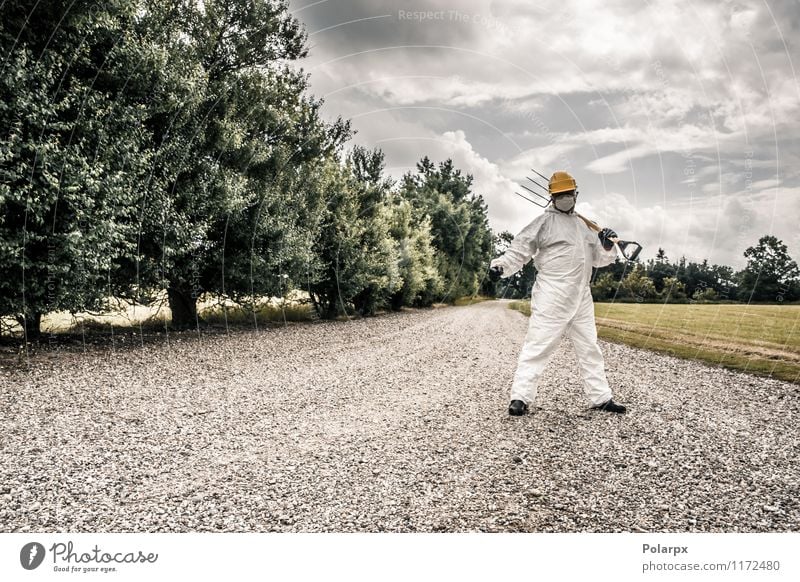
[(469, 300), (523, 307), (762, 339)]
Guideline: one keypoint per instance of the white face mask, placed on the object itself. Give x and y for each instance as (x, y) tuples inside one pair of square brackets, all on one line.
[(564, 203)]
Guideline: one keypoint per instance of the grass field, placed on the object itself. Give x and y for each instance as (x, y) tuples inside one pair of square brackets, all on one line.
[(469, 300), (763, 339)]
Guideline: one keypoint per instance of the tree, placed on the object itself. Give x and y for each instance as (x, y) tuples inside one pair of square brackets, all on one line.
[(74, 156), (724, 282), (604, 287), (659, 269), (228, 208), (695, 276), (673, 289), (459, 224), (618, 269), (638, 285), (421, 281), (267, 208), (358, 259), (381, 259), (771, 274)]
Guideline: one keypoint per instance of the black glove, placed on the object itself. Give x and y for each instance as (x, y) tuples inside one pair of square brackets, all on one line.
[(604, 236), (495, 273)]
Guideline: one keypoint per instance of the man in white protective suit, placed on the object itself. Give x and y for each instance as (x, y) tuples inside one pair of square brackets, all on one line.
[(564, 250)]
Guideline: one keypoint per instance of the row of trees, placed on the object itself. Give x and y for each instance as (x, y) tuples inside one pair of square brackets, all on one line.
[(771, 275), (150, 146)]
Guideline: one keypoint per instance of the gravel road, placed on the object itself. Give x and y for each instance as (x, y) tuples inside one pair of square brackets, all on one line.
[(391, 423)]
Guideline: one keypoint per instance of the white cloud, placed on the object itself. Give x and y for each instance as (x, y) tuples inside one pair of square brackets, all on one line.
[(546, 156), (639, 142), (506, 210), (718, 228), (620, 161), (765, 184)]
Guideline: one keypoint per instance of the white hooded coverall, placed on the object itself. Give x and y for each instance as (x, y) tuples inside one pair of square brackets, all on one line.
[(564, 250)]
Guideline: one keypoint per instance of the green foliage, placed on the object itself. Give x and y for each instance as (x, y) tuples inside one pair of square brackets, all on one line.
[(660, 269), (458, 221), (638, 285), (427, 241), (155, 145), (228, 210), (358, 259), (422, 283), (673, 289), (771, 274), (604, 287), (618, 269), (73, 154)]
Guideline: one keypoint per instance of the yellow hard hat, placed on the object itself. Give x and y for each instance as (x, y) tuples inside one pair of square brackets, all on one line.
[(561, 182)]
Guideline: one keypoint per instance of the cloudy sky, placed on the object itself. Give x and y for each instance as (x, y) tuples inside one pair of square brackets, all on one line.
[(679, 119)]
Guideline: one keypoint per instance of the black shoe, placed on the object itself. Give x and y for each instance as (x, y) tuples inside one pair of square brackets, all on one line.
[(610, 406), (517, 408)]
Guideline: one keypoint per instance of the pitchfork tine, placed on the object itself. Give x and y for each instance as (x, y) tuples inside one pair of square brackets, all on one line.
[(535, 193), (529, 200), (537, 183), (538, 174)]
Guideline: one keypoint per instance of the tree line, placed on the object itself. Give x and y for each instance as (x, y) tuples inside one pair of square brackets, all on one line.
[(770, 275), (152, 147)]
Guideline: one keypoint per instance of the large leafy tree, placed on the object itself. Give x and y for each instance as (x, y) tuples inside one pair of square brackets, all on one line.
[(459, 224), (72, 150), (618, 269), (637, 284), (659, 269), (725, 282), (228, 206), (771, 274), (358, 260), (260, 238), (421, 281), (696, 276)]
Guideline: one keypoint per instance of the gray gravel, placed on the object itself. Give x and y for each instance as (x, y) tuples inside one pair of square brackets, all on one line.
[(392, 423)]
